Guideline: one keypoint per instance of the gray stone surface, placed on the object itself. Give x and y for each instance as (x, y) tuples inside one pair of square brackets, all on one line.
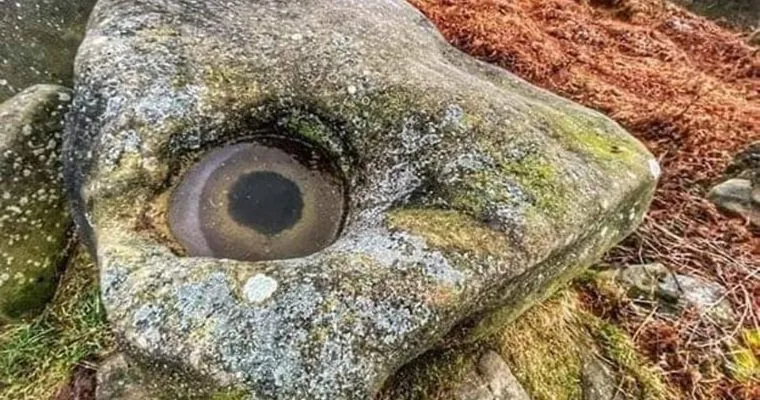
[(116, 380), (677, 291), (491, 379), (469, 189), (737, 196), (599, 382), (740, 193), (34, 218), (38, 42)]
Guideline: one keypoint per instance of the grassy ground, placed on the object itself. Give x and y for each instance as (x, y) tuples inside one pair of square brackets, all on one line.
[(547, 349), (37, 357)]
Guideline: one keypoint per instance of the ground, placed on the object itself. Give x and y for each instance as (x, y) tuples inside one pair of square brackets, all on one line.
[(687, 88)]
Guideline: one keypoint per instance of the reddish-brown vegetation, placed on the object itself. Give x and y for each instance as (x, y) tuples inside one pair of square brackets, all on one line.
[(690, 91)]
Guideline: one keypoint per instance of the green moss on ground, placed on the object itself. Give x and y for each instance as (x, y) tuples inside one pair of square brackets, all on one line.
[(432, 376), (546, 348), (744, 363), (37, 356), (549, 345)]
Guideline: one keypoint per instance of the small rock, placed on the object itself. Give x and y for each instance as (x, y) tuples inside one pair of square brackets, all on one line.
[(490, 380), (676, 291), (34, 218), (116, 381), (737, 196), (599, 382)]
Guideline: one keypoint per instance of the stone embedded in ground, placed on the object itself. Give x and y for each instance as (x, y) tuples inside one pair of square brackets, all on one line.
[(599, 383), (736, 197), (676, 291), (490, 379), (116, 381), (38, 42), (469, 190), (34, 218), (739, 194)]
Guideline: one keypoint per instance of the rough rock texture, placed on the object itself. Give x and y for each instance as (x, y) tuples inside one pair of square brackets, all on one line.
[(598, 382), (676, 291), (38, 41), (740, 194), (116, 381), (33, 215), (469, 189), (738, 197), (490, 380)]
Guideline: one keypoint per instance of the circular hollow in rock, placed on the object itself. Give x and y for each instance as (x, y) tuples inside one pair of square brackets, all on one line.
[(270, 198)]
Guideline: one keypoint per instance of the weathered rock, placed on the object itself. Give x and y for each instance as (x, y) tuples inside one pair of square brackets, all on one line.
[(746, 164), (598, 382), (117, 381), (676, 291), (740, 193), (490, 380), (33, 216), (737, 196), (38, 42), (743, 14), (468, 189)]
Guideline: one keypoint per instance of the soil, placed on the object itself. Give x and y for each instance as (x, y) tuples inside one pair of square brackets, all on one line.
[(81, 385)]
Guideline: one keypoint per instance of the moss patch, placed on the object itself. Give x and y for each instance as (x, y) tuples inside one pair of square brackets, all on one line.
[(38, 356), (448, 230), (744, 363), (549, 345), (433, 376), (546, 348)]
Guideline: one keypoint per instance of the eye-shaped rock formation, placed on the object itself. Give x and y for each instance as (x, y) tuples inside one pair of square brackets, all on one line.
[(467, 189)]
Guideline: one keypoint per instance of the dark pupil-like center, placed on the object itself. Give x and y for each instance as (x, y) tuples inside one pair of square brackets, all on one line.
[(265, 201)]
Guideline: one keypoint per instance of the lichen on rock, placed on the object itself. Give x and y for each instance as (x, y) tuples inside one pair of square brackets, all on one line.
[(34, 217), (469, 190)]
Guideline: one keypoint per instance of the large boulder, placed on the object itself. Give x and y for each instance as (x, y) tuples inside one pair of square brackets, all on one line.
[(34, 217), (38, 41), (467, 189)]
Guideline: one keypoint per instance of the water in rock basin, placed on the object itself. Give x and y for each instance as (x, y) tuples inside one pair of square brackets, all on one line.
[(272, 198), (38, 42)]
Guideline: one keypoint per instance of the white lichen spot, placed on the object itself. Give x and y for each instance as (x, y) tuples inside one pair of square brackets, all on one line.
[(259, 288), (654, 168), (351, 90)]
